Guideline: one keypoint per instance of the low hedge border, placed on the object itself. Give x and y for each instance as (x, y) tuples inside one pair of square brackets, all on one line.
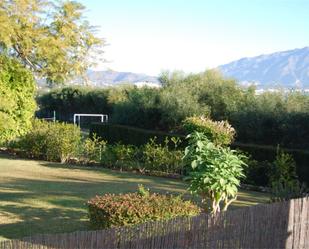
[(114, 133), (112, 210)]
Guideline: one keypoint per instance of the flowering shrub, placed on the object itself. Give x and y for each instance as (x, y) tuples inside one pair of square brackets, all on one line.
[(112, 210), (219, 132)]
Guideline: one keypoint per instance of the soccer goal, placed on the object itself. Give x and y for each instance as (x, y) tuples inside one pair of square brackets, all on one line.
[(77, 116)]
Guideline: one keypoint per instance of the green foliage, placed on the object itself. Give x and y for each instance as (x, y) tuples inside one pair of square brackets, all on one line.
[(258, 172), (152, 157), (283, 178), (17, 105), (215, 171), (51, 38), (113, 133), (93, 148), (283, 168), (51, 141), (286, 190), (177, 103), (120, 156), (143, 191), (158, 157), (69, 100), (129, 209), (138, 106), (219, 132)]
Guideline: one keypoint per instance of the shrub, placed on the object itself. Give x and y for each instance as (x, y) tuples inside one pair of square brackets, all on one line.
[(162, 158), (93, 148), (286, 190), (283, 178), (133, 208), (51, 141), (215, 171), (219, 132), (17, 104), (264, 155), (120, 156)]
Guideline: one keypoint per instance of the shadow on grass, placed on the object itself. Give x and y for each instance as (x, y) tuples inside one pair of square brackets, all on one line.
[(37, 205), (44, 206)]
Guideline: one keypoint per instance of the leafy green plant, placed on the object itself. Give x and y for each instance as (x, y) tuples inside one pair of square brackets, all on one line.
[(219, 132), (158, 157), (286, 190), (283, 178), (133, 208), (120, 156), (215, 171), (93, 148), (51, 141), (17, 103), (143, 191)]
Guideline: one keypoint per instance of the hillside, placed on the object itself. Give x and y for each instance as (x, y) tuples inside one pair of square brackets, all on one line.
[(288, 69)]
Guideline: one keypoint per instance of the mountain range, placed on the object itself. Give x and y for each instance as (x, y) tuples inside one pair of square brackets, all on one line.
[(286, 69)]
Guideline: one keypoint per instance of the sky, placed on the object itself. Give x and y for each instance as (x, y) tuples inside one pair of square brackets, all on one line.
[(146, 36)]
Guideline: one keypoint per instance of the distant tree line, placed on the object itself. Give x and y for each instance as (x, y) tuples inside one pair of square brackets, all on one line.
[(269, 118)]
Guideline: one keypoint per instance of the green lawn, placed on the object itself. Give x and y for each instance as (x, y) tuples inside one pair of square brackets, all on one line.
[(42, 197)]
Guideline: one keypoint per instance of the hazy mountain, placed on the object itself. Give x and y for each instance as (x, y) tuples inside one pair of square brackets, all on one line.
[(102, 78), (288, 69)]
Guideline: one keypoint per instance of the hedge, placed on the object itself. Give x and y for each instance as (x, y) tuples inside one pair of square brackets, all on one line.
[(114, 133), (112, 210), (268, 153), (130, 135), (50, 141)]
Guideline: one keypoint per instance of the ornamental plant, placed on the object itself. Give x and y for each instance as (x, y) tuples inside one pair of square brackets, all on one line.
[(51, 141), (283, 179), (93, 148), (112, 210), (165, 157), (214, 173), (218, 132)]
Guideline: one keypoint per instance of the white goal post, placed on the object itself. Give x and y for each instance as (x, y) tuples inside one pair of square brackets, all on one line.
[(104, 117)]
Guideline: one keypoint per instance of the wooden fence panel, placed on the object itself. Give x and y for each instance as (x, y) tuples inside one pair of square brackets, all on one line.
[(278, 225)]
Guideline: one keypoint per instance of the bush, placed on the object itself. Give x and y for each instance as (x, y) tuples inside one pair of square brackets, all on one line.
[(283, 178), (264, 155), (93, 148), (162, 158), (215, 171), (51, 141), (17, 104), (219, 132), (120, 156), (128, 209), (129, 135)]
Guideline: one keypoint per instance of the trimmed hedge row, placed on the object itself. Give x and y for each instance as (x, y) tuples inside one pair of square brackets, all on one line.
[(114, 133), (112, 210), (263, 153), (130, 135)]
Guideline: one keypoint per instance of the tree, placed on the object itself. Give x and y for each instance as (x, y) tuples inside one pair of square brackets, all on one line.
[(17, 104), (54, 41)]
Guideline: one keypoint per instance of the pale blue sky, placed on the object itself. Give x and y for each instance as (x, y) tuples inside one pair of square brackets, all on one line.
[(193, 35)]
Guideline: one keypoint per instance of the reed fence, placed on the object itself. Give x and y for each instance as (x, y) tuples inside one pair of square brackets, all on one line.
[(278, 225)]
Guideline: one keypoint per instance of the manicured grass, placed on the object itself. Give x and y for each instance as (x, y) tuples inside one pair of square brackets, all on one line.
[(42, 197)]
